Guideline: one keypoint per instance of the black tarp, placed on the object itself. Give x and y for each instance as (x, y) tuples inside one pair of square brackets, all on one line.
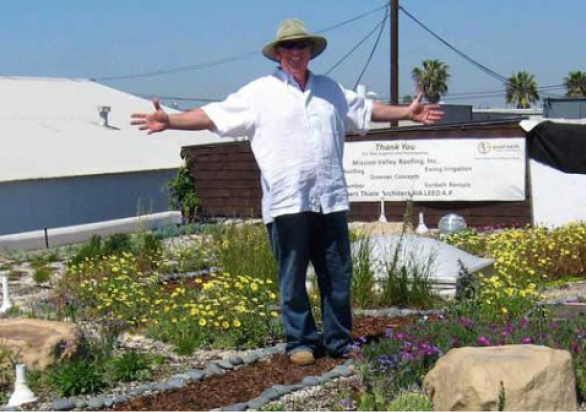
[(559, 145)]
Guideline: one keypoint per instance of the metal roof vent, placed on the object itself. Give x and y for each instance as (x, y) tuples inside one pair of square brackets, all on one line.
[(104, 111)]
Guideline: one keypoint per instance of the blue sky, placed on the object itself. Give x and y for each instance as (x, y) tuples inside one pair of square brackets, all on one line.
[(97, 39)]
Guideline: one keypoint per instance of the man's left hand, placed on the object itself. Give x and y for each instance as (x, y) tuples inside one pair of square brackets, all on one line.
[(426, 114)]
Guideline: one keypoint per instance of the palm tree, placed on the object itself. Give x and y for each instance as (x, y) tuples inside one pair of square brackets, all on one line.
[(522, 90), (575, 84), (432, 79)]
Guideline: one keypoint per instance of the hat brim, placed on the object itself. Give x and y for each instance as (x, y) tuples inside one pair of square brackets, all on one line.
[(319, 45)]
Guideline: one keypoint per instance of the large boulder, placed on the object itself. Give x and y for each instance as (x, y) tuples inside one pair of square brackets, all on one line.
[(39, 343), (515, 377)]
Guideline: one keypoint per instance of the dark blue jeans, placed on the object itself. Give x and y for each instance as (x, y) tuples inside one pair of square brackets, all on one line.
[(321, 239)]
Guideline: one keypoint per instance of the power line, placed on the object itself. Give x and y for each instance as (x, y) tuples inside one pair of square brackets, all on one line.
[(224, 60), (382, 26), (449, 96), (353, 49), (469, 59)]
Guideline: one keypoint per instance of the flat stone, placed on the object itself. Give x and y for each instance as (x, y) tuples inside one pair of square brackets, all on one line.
[(184, 376), (250, 358), (271, 351), (196, 374), (225, 364), (282, 389), (96, 403), (295, 386), (63, 405), (177, 383), (328, 376), (310, 381), (270, 394), (212, 370), (343, 370), (146, 387), (119, 398), (236, 407), (257, 403), (235, 360), (163, 386), (136, 392)]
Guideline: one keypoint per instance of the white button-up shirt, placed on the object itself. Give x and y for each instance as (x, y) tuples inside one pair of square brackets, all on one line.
[(297, 137)]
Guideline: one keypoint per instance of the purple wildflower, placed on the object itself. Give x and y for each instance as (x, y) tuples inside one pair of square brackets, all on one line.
[(523, 323), (527, 340), (575, 347), (466, 322), (483, 341)]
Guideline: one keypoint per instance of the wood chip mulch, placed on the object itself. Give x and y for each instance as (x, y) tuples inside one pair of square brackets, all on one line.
[(242, 385)]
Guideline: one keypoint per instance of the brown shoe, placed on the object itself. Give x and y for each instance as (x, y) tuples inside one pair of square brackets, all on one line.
[(302, 357)]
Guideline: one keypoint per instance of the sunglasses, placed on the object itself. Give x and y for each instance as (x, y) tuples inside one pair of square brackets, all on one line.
[(298, 45)]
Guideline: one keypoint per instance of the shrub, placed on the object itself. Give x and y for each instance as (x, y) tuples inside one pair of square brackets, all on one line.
[(111, 288), (245, 249), (42, 274), (77, 377), (183, 195), (88, 251), (228, 311), (410, 401), (130, 366), (362, 272)]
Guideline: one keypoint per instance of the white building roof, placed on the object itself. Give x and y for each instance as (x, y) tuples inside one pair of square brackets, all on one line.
[(51, 128)]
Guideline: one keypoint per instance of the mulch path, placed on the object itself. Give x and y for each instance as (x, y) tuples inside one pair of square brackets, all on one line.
[(242, 385)]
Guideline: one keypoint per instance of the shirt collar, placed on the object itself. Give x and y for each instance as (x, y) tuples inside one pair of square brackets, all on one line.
[(288, 79)]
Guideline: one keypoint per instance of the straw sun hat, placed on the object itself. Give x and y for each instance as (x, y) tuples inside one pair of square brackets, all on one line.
[(293, 29)]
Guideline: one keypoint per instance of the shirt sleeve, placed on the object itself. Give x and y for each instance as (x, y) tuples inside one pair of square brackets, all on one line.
[(359, 113), (233, 117)]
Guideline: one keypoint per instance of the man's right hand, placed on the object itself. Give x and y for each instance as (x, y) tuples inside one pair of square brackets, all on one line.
[(154, 122)]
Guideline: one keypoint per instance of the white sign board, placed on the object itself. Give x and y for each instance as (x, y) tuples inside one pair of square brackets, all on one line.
[(436, 170), (548, 187)]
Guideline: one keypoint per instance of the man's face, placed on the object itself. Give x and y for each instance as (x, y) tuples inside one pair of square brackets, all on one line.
[(294, 56)]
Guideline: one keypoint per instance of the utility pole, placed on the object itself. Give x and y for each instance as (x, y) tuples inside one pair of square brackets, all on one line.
[(394, 30)]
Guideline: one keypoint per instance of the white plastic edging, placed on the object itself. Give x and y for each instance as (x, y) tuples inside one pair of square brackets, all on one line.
[(69, 235)]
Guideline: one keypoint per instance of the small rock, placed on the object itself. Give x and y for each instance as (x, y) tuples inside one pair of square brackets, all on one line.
[(310, 381), (237, 407), (80, 403), (235, 360), (177, 383), (108, 402), (96, 403), (250, 358), (183, 376), (212, 370), (282, 389), (163, 386), (257, 403), (196, 374), (63, 405), (225, 364), (270, 394), (119, 398), (343, 370)]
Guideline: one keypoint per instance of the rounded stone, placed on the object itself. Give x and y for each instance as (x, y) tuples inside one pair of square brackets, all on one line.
[(63, 405)]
